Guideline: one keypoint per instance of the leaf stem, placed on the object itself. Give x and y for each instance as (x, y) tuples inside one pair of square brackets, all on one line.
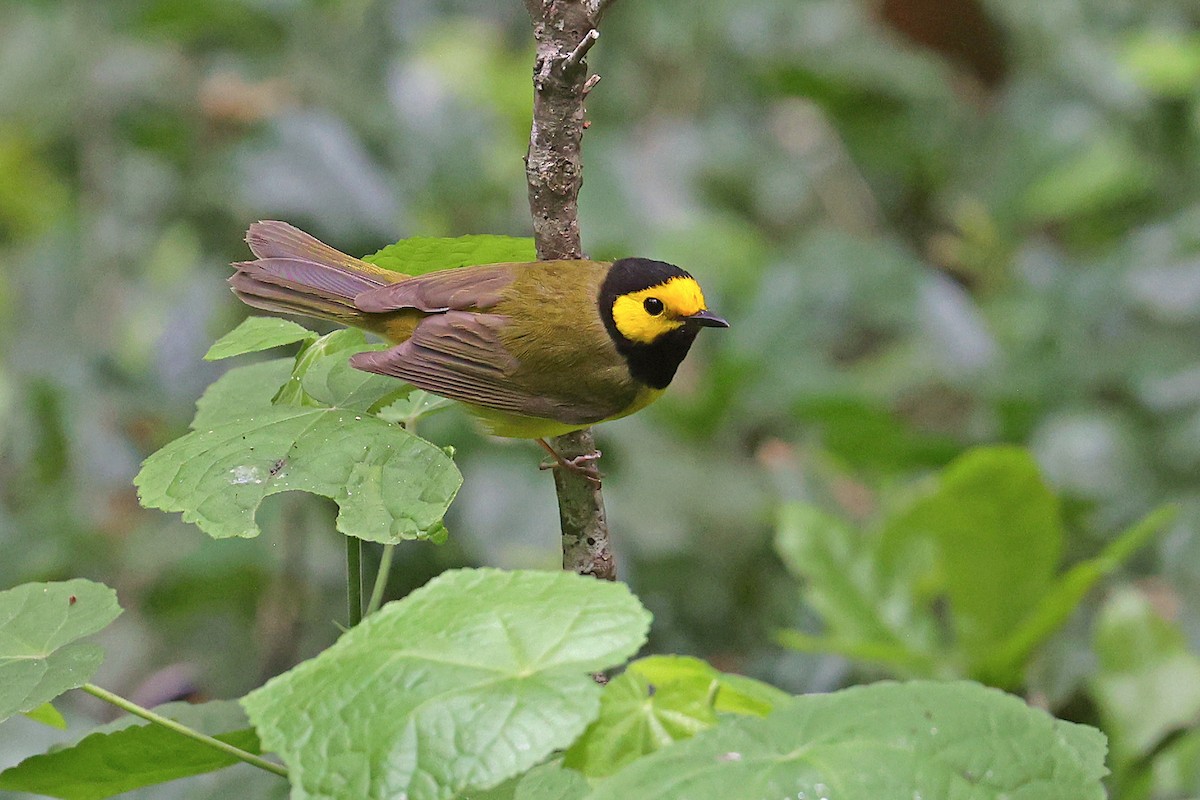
[(381, 578), (354, 595), (184, 730)]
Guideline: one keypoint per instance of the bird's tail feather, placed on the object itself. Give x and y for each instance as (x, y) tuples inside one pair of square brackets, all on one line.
[(295, 273)]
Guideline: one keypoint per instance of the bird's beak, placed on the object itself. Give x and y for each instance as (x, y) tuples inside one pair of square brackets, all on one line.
[(707, 319)]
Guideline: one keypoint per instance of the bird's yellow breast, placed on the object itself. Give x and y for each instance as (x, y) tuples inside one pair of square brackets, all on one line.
[(519, 426)]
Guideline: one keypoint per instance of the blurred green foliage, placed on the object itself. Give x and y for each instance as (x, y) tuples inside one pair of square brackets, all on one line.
[(921, 247), (961, 581)]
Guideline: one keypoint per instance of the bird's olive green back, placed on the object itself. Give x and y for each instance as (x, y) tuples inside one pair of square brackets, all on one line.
[(565, 351), (523, 338)]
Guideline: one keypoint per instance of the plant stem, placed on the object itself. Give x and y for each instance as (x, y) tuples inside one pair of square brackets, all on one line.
[(184, 730), (354, 580), (381, 577)]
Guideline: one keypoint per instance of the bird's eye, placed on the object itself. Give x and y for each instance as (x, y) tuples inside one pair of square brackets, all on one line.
[(653, 306)]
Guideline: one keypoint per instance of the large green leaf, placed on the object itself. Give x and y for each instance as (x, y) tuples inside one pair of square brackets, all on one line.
[(466, 682), (131, 753), (994, 534), (887, 741), (389, 485), (317, 436), (1003, 666), (255, 334), (422, 254), (40, 623)]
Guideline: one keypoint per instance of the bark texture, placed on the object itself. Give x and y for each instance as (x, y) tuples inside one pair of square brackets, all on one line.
[(565, 30)]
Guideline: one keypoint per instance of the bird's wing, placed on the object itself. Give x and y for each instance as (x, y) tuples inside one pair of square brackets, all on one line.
[(459, 354), (463, 289), (456, 354)]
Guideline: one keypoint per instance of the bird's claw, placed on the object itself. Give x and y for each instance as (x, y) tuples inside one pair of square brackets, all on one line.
[(583, 465)]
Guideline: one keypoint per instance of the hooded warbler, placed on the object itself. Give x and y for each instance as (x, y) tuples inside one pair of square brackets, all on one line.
[(532, 349)]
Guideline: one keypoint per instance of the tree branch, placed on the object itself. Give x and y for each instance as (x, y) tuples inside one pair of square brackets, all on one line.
[(565, 30), (581, 49)]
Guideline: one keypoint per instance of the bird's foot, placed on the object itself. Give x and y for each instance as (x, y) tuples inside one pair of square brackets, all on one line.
[(583, 465)]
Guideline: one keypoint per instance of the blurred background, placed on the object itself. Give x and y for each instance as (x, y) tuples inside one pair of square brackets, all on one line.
[(932, 225)]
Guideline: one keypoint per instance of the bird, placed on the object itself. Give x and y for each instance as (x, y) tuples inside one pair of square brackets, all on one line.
[(533, 350)]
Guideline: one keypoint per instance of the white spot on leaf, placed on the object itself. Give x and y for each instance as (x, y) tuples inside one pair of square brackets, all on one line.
[(239, 476)]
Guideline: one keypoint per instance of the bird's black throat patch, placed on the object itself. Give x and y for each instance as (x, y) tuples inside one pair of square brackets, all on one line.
[(653, 364)]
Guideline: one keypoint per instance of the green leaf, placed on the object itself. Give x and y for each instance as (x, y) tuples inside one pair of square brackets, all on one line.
[(466, 682), (840, 574), (132, 753), (265, 429), (47, 714), (887, 741), (1091, 178), (1172, 771), (1148, 682), (543, 782), (996, 539), (638, 717), (389, 485), (1003, 666), (1165, 63), (240, 391), (255, 334), (422, 254), (738, 694), (328, 379), (320, 357), (870, 438), (660, 700), (40, 623), (731, 693), (412, 406)]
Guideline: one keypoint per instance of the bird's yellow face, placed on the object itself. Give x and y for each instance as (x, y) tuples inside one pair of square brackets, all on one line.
[(646, 315), (652, 311)]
